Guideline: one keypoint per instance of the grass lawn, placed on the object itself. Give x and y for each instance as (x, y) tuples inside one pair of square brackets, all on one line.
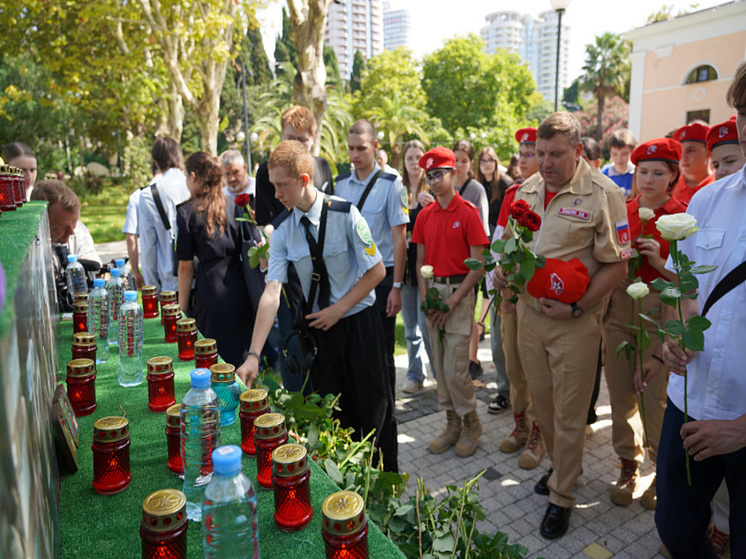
[(104, 213)]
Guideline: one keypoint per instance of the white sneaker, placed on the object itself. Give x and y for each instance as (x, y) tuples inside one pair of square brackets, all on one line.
[(411, 387)]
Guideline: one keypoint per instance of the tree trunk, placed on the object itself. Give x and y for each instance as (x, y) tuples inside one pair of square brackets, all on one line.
[(208, 108), (175, 114)]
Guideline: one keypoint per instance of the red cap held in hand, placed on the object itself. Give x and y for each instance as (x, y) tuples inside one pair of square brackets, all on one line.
[(563, 281)]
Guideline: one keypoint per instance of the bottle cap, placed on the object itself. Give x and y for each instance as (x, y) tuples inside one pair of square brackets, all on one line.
[(149, 290), (254, 399), (99, 282), (226, 460), (205, 346), (119, 262), (173, 416), (164, 510), (269, 426), (111, 429), (168, 296), (116, 273), (72, 257), (172, 309), (289, 460), (200, 378), (223, 372), (160, 365), (186, 325), (130, 295), (343, 513)]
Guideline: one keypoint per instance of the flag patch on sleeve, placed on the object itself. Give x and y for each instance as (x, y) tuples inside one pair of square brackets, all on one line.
[(622, 232)]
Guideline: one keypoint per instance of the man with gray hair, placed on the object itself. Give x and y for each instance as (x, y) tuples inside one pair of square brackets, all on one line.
[(237, 180)]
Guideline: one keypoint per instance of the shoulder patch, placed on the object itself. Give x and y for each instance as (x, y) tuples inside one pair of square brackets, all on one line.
[(363, 231), (388, 176), (343, 176), (340, 206), (280, 218)]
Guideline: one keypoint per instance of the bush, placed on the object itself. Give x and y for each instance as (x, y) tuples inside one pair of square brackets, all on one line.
[(137, 162)]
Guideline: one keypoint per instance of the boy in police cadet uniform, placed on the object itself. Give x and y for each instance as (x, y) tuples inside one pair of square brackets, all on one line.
[(343, 321), (448, 232), (584, 217), (386, 209)]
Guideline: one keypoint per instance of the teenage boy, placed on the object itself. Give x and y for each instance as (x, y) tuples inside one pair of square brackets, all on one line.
[(447, 233), (621, 170), (343, 321), (722, 141), (695, 161)]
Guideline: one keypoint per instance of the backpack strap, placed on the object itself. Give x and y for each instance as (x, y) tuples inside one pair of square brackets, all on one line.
[(732, 280), (368, 188)]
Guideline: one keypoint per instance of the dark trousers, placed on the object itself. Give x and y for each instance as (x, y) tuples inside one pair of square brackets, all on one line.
[(388, 327), (350, 362), (682, 514)]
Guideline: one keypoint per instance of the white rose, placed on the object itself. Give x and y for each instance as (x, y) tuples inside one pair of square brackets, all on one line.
[(1, 161), (638, 290), (646, 213), (677, 226), (426, 272)]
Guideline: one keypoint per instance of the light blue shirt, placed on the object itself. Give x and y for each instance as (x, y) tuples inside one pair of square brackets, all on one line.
[(130, 221), (347, 255), (383, 209)]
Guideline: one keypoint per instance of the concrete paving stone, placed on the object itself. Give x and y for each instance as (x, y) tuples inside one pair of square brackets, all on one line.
[(522, 526)]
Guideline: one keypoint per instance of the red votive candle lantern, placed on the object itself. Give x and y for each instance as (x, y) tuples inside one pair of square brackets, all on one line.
[(173, 438), (166, 298), (81, 386), (80, 297), (19, 187), (160, 384), (292, 489), (149, 301), (84, 346), (205, 353), (254, 402), (170, 313), (344, 526), (164, 525), (186, 336), (7, 196), (269, 433), (80, 317), (111, 455)]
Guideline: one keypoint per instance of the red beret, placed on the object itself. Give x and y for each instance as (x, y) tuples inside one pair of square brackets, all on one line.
[(526, 136), (660, 149), (723, 133), (563, 281), (694, 132), (438, 158)]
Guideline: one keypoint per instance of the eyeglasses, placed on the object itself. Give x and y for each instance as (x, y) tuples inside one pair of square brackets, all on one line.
[(434, 176), (527, 155)]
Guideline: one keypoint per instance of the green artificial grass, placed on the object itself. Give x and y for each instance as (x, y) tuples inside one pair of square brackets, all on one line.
[(99, 526)]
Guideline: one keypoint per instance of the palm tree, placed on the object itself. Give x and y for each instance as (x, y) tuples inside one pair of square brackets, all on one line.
[(606, 70), (397, 120)]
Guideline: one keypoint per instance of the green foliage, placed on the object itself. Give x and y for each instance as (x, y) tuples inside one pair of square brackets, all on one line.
[(258, 60), (136, 161), (285, 50), (666, 13), (359, 66), (571, 96), (332, 67)]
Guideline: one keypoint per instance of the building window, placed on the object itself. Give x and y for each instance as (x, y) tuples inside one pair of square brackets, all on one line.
[(704, 73), (703, 115)]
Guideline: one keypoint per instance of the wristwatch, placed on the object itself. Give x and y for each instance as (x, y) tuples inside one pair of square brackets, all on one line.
[(397, 284), (577, 312)]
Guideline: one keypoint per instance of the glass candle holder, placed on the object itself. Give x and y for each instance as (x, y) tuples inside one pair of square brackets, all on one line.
[(81, 386), (173, 439), (292, 488), (186, 336), (205, 353), (111, 455), (84, 346), (344, 526), (160, 384), (149, 301), (7, 196), (80, 317), (80, 297), (225, 386), (170, 313), (19, 188), (269, 433), (167, 298), (254, 402), (163, 529)]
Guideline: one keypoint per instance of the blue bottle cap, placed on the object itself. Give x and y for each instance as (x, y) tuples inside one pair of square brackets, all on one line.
[(119, 262), (200, 378), (72, 257), (130, 296), (226, 460), (116, 273), (99, 282)]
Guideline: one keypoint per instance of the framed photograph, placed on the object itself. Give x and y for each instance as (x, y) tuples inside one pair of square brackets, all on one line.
[(65, 428)]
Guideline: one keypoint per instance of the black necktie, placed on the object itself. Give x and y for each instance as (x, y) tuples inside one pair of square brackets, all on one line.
[(323, 282)]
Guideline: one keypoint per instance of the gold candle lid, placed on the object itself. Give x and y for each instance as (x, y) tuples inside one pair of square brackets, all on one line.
[(164, 510), (223, 372), (80, 297), (186, 325), (80, 307), (254, 399), (206, 346), (111, 429), (160, 365), (343, 513), (81, 368), (173, 416), (269, 426), (289, 460), (172, 309), (168, 296), (149, 290), (85, 339)]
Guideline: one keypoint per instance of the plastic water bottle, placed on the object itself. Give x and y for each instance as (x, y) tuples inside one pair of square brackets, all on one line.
[(76, 281), (115, 288), (98, 318), (200, 435), (229, 509), (130, 341), (127, 277)]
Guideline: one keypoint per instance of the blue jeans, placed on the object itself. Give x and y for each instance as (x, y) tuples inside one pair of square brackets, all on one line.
[(498, 356), (415, 331)]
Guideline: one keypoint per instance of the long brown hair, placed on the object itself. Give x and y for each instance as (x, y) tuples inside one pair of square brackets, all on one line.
[(494, 184), (468, 149), (673, 166), (422, 186), (208, 197)]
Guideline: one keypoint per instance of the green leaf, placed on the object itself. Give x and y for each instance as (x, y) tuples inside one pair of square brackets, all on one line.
[(694, 340), (473, 264), (528, 269), (498, 246), (698, 323), (313, 435), (703, 269), (444, 543), (670, 295), (660, 284), (675, 327), (333, 471), (540, 261), (511, 245)]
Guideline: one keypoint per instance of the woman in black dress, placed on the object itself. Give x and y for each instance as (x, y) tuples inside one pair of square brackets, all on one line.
[(208, 231)]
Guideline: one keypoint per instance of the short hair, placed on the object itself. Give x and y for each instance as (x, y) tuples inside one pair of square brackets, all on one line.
[(300, 118), (560, 123), (56, 192), (364, 128), (736, 95), (622, 138), (167, 154), (231, 156), (16, 149), (591, 147), (293, 157)]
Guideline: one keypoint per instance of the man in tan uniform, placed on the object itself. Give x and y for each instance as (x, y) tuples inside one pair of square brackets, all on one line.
[(584, 217)]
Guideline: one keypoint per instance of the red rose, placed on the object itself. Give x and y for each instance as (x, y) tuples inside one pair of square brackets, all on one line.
[(530, 221), (242, 200), (518, 208)]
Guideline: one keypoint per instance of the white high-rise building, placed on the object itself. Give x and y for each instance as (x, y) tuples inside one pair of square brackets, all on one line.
[(535, 40), (396, 25), (351, 26)]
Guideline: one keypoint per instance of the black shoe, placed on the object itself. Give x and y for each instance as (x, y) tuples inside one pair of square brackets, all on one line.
[(541, 486), (555, 523), (498, 405), (475, 369)]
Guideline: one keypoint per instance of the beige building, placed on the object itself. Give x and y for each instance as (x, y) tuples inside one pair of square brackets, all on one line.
[(681, 69)]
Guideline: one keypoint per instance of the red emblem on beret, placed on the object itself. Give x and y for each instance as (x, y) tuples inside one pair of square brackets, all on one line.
[(563, 281), (438, 158), (660, 149), (723, 133), (526, 135), (694, 132)]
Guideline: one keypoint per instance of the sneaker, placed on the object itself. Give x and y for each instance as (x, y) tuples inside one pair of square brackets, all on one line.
[(498, 405), (411, 387), (721, 543), (475, 369)]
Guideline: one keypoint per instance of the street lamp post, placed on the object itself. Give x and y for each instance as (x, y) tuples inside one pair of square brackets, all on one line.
[(558, 6), (245, 117)]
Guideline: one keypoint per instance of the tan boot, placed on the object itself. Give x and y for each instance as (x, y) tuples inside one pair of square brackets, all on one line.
[(470, 433), (650, 498), (518, 437), (449, 436), (622, 494), (531, 456)]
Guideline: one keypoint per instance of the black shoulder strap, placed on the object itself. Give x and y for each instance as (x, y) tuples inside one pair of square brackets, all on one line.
[(319, 267), (735, 277), (367, 190), (161, 209), (461, 190), (280, 218), (340, 206)]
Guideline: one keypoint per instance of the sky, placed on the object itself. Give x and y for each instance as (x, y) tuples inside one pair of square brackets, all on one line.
[(430, 26)]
